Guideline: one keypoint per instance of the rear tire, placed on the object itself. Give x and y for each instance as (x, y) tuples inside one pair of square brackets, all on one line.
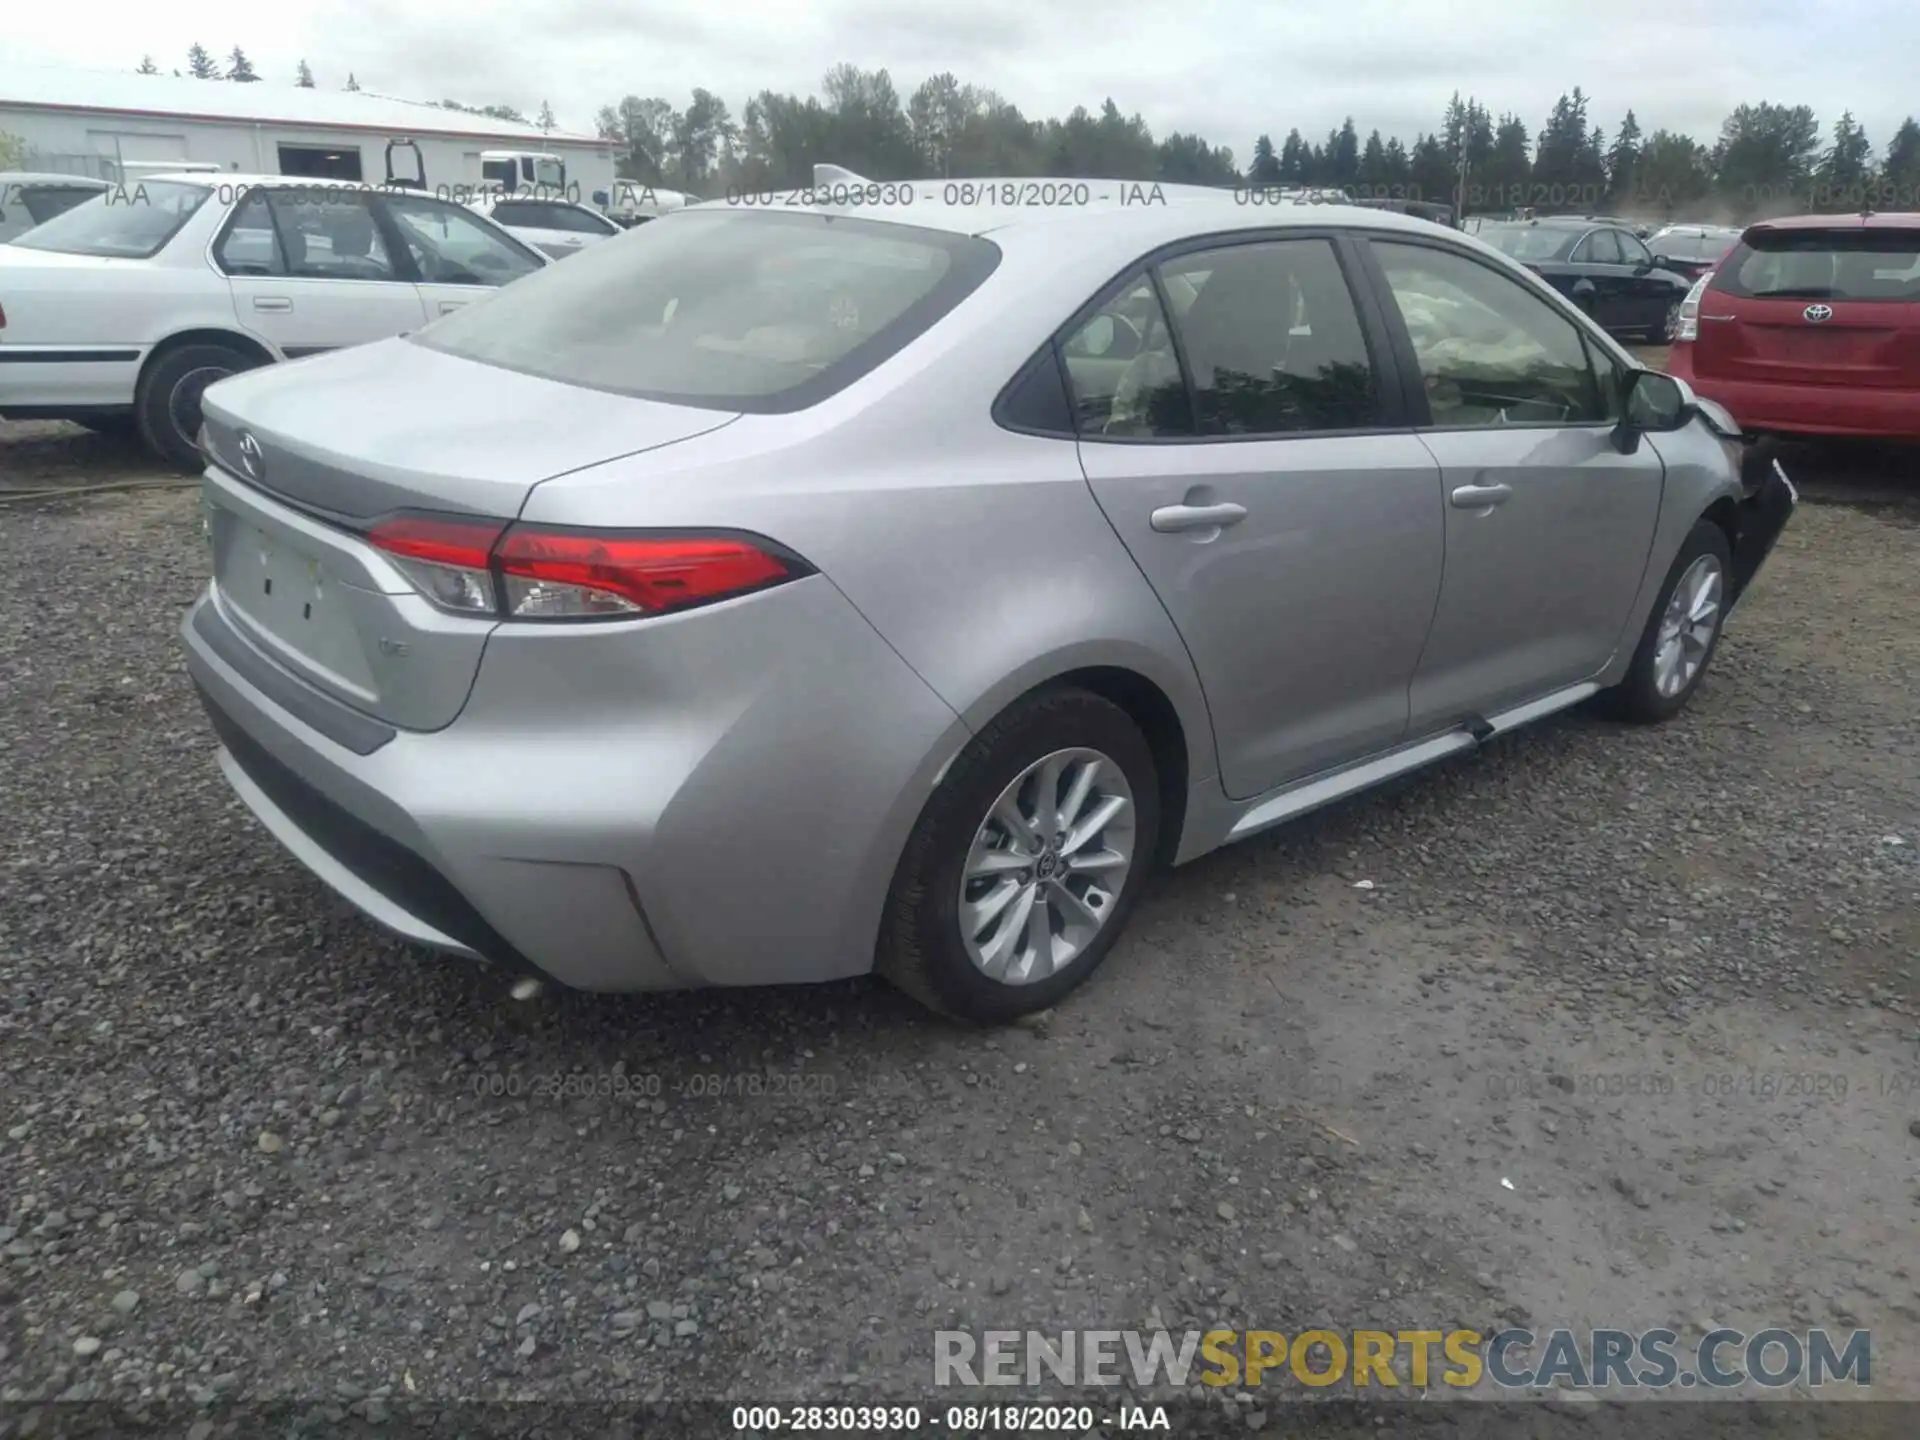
[(167, 402), (978, 890), (1682, 632)]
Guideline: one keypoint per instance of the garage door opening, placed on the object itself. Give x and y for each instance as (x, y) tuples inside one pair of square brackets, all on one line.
[(320, 162)]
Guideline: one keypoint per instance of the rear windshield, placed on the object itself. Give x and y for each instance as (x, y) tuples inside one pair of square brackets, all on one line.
[(130, 222), (1825, 265), (716, 308), (1682, 246), (1529, 242)]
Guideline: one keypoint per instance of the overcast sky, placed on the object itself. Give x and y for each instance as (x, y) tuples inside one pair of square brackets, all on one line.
[(1228, 69)]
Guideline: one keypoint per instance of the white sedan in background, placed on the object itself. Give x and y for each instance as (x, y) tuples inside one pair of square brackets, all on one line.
[(120, 312), (558, 227)]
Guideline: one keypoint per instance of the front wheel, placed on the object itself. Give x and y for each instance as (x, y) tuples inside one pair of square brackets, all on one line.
[(1026, 862), (168, 401), (1682, 632)]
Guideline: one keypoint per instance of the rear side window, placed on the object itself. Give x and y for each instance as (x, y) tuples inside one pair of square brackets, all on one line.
[(1874, 265), (530, 213), (723, 309), (1273, 341), (132, 222), (1599, 248)]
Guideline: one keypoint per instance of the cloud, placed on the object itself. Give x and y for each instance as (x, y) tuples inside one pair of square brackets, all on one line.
[(1227, 69)]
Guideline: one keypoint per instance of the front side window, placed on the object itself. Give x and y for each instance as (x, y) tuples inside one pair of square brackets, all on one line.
[(1490, 351), (128, 222), (1632, 252), (768, 312), (451, 245), (1273, 341), (329, 234)]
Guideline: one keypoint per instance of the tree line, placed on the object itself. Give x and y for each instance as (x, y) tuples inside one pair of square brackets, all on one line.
[(1768, 158)]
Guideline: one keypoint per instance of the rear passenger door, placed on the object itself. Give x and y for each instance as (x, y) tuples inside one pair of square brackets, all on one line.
[(309, 271), (1250, 451)]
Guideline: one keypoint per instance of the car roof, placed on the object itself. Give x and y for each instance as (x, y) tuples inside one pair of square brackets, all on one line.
[(1899, 220), (1058, 205), (1552, 222), (50, 177)]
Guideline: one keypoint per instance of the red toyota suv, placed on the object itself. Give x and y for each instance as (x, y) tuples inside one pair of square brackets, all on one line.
[(1811, 326)]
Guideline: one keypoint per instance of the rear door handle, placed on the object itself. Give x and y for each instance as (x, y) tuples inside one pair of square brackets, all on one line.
[(272, 302), (1481, 497), (1172, 519)]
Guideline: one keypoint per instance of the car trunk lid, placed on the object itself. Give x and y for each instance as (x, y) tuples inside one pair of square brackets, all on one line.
[(1834, 305), (305, 457)]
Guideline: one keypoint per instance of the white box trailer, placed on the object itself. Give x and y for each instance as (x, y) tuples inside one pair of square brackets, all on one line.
[(107, 123)]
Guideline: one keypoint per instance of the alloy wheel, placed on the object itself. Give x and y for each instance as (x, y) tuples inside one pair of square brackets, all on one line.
[(1047, 866), (1687, 626)]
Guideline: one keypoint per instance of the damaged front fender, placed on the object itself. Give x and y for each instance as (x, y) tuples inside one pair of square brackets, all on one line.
[(1761, 516)]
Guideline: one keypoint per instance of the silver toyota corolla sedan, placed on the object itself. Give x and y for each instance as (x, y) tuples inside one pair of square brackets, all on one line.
[(781, 593)]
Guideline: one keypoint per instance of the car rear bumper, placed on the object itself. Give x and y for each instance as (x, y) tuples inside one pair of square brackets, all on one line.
[(1762, 407), (564, 824)]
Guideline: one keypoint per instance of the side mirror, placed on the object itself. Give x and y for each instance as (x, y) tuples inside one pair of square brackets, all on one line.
[(1661, 262), (1652, 403)]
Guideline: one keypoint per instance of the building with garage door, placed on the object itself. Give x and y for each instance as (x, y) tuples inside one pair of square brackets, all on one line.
[(118, 125)]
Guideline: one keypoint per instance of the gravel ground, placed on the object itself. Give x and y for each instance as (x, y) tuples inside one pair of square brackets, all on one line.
[(1622, 1031)]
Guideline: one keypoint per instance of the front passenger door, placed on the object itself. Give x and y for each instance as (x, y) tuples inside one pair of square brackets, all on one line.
[(1255, 472), (458, 256), (1548, 525)]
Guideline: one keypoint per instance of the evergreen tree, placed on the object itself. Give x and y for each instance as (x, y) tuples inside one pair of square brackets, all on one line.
[(200, 64), (147, 67), (239, 67), (305, 80), (1266, 164)]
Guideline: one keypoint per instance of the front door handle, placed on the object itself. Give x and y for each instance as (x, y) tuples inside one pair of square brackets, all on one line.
[(1172, 519), (447, 307), (272, 302), (1481, 497)]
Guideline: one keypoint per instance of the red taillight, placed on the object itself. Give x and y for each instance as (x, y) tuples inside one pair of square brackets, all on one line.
[(439, 540), (537, 572), (550, 571)]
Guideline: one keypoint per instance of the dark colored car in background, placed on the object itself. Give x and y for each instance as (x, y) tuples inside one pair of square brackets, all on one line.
[(1693, 250), (1603, 268), (1810, 326)]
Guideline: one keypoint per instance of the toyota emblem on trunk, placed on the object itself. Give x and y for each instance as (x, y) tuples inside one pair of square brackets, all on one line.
[(1817, 313), (251, 460)]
